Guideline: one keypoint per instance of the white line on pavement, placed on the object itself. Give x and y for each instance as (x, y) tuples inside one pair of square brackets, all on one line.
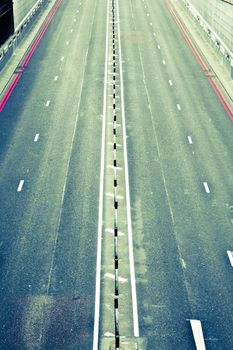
[(56, 77), (206, 187), (20, 186), (150, 23), (130, 235), (230, 256), (158, 47), (47, 103), (101, 197), (36, 138), (67, 43), (178, 106), (164, 62), (62, 58), (147, 14), (198, 334), (190, 140), (154, 34), (71, 30), (170, 82)]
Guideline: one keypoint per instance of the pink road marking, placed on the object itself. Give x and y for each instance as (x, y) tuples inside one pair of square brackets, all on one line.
[(214, 84), (24, 64)]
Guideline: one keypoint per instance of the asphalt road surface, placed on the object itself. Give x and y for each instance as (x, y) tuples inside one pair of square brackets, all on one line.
[(180, 161)]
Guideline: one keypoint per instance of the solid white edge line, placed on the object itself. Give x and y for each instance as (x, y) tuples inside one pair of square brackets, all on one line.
[(101, 196), (20, 186), (230, 256), (206, 187), (198, 334), (130, 236)]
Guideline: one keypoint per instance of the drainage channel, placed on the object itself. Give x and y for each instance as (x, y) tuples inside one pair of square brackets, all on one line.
[(118, 303)]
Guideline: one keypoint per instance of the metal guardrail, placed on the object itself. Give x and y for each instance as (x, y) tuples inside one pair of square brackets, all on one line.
[(7, 49), (220, 45)]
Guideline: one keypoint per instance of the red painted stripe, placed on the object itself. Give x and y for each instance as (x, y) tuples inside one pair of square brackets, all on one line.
[(16, 78), (214, 84)]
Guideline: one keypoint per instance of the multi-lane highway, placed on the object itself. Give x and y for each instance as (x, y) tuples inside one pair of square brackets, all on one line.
[(116, 189)]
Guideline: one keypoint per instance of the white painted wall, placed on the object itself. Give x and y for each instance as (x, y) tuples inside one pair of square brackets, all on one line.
[(21, 9), (219, 15)]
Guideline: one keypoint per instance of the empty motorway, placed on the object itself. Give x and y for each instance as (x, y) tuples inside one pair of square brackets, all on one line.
[(116, 188)]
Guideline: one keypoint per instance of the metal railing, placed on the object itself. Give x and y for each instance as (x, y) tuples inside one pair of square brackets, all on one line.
[(7, 49), (218, 42)]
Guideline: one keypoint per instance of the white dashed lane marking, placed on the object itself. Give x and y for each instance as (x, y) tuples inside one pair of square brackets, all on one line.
[(164, 62), (198, 334), (190, 140), (47, 103), (178, 106), (62, 58), (230, 256), (170, 82), (206, 187), (158, 47), (36, 137), (20, 186), (67, 43), (56, 77), (154, 34)]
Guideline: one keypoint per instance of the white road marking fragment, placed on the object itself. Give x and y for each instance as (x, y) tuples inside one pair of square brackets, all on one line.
[(158, 47), (164, 62), (20, 186), (178, 106), (75, 20), (198, 334), (206, 187), (110, 230), (109, 334), (112, 276), (56, 77), (36, 138), (71, 30), (101, 198), (230, 256), (147, 14), (62, 59), (67, 43), (190, 140), (150, 23), (47, 103), (170, 82), (128, 205), (154, 34), (108, 194)]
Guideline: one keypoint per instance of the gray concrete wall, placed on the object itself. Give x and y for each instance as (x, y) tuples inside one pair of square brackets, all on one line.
[(219, 15), (21, 9)]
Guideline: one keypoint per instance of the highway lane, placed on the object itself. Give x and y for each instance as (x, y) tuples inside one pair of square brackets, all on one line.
[(181, 233), (48, 229)]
